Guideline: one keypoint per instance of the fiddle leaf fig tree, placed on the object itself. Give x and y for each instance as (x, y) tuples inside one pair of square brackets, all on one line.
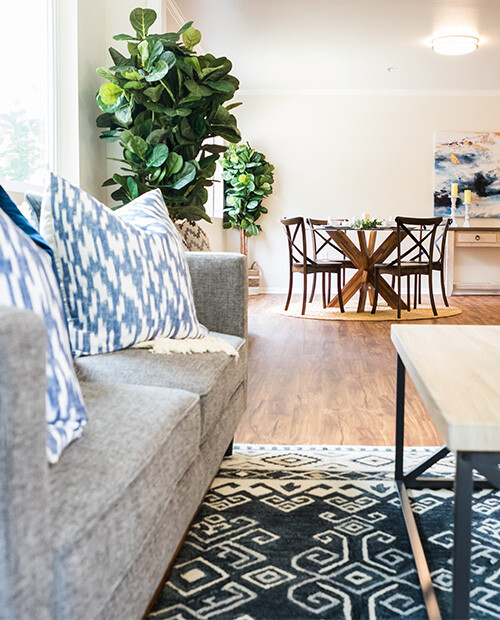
[(163, 102), (248, 180)]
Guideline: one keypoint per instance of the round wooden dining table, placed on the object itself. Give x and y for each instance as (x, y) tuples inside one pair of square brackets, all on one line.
[(364, 257)]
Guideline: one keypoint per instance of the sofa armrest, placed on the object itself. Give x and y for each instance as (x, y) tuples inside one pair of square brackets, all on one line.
[(220, 287), (25, 564)]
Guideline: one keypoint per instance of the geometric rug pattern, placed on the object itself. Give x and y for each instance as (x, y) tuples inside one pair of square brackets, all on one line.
[(316, 532)]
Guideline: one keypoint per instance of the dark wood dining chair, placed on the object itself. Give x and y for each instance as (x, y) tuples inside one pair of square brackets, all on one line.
[(438, 265), (322, 241), (423, 254), (300, 262)]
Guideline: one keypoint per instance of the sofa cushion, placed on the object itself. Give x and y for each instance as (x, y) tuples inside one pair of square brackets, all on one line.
[(27, 280), (124, 275), (214, 376), (110, 488)]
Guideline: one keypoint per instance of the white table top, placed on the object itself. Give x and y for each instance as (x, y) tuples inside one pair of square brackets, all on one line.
[(456, 370)]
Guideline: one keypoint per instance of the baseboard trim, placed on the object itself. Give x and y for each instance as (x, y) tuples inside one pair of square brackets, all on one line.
[(469, 288)]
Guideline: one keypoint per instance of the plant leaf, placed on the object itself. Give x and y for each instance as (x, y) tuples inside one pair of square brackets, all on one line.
[(156, 136), (132, 48), (214, 148), (132, 75), (174, 163), (124, 115), (133, 189), (154, 92), (105, 120), (158, 156), (106, 74), (118, 59), (124, 37), (184, 176), (223, 86), (138, 146), (169, 58), (191, 37), (155, 49), (198, 89), (110, 93), (143, 49), (159, 72), (134, 85), (142, 20), (184, 28)]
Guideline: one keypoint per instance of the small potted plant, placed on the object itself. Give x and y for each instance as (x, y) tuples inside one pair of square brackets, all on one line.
[(248, 180)]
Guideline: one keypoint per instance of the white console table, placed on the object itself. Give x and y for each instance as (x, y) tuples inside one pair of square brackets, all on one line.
[(473, 237)]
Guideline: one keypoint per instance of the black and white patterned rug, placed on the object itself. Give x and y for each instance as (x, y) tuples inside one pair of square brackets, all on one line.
[(317, 532)]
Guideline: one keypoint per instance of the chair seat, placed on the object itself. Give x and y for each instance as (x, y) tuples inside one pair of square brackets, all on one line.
[(320, 267), (326, 267), (406, 268), (346, 264)]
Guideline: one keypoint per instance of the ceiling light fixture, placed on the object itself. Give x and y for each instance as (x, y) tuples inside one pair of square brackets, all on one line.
[(455, 45)]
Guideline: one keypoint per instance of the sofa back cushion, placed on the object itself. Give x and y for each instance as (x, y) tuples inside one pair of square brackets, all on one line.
[(123, 273), (27, 280)]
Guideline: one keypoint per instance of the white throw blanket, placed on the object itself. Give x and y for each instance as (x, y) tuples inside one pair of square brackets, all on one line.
[(189, 345)]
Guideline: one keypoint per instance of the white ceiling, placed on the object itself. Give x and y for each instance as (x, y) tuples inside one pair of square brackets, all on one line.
[(349, 44)]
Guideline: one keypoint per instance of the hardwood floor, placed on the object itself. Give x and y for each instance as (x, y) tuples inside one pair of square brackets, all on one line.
[(328, 382)]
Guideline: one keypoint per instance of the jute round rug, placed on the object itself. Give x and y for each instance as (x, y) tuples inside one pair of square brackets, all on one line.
[(316, 311)]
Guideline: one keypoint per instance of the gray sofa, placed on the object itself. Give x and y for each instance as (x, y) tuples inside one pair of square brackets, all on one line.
[(93, 536)]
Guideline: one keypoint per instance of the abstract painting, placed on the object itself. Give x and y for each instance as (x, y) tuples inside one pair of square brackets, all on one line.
[(471, 159)]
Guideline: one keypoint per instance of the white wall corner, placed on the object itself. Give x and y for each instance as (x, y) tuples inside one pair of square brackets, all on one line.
[(174, 17)]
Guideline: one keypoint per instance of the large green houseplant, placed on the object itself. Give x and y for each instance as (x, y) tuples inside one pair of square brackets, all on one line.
[(248, 180), (163, 103)]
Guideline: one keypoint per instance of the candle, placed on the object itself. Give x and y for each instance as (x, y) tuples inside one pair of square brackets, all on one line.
[(365, 216), (454, 189), (467, 196)]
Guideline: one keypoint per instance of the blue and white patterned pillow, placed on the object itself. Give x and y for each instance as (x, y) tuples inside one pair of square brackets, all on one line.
[(123, 273), (27, 280)]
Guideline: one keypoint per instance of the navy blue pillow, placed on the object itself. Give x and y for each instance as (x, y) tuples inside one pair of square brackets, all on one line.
[(8, 207)]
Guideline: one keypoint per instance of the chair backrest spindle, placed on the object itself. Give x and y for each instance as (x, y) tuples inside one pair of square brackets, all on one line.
[(320, 239), (297, 243)]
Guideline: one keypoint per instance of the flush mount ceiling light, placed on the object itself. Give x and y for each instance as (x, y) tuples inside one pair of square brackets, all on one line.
[(455, 45)]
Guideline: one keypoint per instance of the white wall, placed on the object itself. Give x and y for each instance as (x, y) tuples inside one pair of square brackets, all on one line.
[(92, 53), (342, 153)]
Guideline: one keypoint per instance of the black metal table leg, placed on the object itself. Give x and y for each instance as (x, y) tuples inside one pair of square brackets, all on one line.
[(462, 546), (400, 418), (486, 463), (411, 525), (229, 451)]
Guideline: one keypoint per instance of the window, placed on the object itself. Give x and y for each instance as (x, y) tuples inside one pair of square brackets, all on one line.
[(26, 93)]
